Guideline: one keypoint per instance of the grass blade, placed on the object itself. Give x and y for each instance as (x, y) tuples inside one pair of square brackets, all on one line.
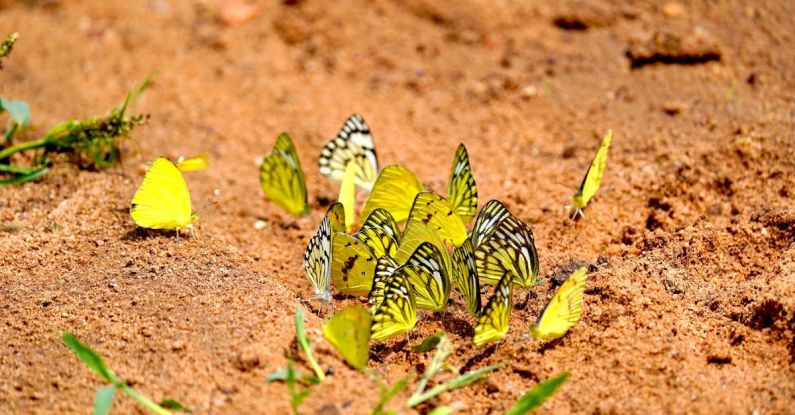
[(456, 383), (388, 394), (303, 341), (171, 403), (103, 400), (536, 396), (91, 358), (429, 343), (24, 178)]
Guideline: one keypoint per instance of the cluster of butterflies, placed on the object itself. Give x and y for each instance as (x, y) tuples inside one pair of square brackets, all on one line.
[(398, 271)]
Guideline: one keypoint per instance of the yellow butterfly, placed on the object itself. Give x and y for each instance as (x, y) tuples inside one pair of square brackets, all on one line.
[(349, 332), (198, 162), (428, 278), (563, 310), (353, 144), (509, 247), (397, 312), (493, 324), (163, 200), (336, 215), (492, 213), (465, 276), (593, 178), (384, 268), (352, 265), (394, 190), (347, 194), (380, 233), (282, 179), (462, 190), (317, 260), (436, 212)]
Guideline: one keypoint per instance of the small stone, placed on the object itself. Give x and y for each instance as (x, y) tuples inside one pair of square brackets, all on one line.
[(250, 357), (674, 107), (674, 10), (259, 225), (529, 92), (237, 11)]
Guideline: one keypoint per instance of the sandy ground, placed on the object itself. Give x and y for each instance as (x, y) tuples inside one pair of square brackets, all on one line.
[(690, 306)]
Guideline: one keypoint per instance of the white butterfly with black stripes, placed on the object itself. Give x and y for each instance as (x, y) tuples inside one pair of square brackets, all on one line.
[(317, 260), (353, 143)]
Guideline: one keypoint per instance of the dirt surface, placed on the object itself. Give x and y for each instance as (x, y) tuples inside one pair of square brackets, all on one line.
[(690, 306)]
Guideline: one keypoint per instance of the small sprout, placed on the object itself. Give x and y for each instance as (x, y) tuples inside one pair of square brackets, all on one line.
[(388, 394), (303, 341), (536, 396), (104, 397), (7, 46), (291, 378), (171, 403), (441, 410)]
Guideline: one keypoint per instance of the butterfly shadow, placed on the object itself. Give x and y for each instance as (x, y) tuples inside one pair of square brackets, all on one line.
[(457, 326), (142, 234), (550, 345), (476, 359), (379, 352)]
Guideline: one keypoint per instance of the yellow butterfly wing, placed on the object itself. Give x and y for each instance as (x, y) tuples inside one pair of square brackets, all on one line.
[(465, 276), (282, 178), (380, 233), (347, 195), (352, 265), (510, 247), (427, 277), (415, 234), (163, 200), (349, 332), (593, 178), (436, 212), (353, 144), (492, 213), (317, 260), (397, 312), (394, 190), (336, 215), (462, 190), (564, 309), (384, 268), (197, 162), (493, 324)]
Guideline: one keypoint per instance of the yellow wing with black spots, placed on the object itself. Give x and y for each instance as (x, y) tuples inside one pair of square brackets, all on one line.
[(352, 265)]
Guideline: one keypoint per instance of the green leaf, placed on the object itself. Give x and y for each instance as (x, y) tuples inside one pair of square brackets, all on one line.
[(303, 341), (103, 400), (456, 383), (429, 343), (281, 376), (441, 410), (19, 111), (536, 396), (89, 357), (349, 332), (171, 403)]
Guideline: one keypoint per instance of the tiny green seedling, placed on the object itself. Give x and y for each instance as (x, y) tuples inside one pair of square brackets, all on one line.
[(536, 396), (292, 378), (443, 351), (7, 46), (387, 394), (303, 341), (103, 399)]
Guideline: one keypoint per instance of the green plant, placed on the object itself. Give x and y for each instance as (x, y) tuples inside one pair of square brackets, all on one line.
[(103, 399), (303, 342), (386, 394), (533, 398), (443, 351), (92, 143), (6, 46)]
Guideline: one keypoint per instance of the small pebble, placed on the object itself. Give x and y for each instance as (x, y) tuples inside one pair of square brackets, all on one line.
[(259, 225)]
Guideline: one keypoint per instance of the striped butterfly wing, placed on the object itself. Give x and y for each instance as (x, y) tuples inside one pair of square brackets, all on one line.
[(437, 212), (353, 143), (383, 270), (317, 260), (510, 247), (380, 233), (493, 324), (282, 178), (462, 190), (397, 313), (428, 277), (492, 213), (465, 276)]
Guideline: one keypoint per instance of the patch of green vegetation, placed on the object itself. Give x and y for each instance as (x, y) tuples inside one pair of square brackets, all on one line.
[(533, 398), (103, 400)]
